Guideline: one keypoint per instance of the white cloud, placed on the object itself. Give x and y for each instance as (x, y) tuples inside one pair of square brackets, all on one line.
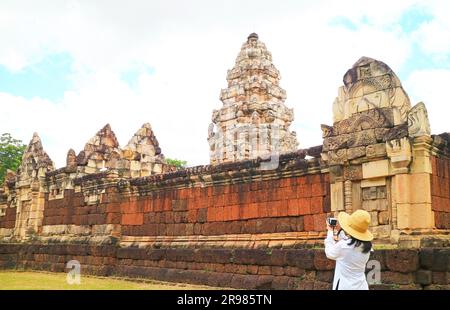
[(433, 36), (190, 45), (431, 87)]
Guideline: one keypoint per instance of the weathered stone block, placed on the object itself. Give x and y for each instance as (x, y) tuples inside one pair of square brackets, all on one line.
[(325, 276), (375, 169), (373, 218), (414, 216), (380, 133), (353, 172), (337, 196), (321, 262), (362, 138), (441, 260), (280, 283), (373, 182), (376, 150), (336, 173), (375, 205), (356, 152), (426, 258), (423, 277), (369, 193), (179, 205), (383, 218), (396, 132), (381, 231), (323, 286), (335, 143), (389, 277), (402, 260), (301, 258), (337, 157), (440, 277)]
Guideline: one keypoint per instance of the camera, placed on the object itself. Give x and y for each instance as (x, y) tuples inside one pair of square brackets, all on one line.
[(332, 221)]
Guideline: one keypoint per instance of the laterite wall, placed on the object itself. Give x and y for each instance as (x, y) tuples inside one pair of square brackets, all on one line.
[(283, 268), (291, 204), (440, 191), (9, 220)]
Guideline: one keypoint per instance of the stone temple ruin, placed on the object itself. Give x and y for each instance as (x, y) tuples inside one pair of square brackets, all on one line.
[(253, 120), (125, 211), (37, 181)]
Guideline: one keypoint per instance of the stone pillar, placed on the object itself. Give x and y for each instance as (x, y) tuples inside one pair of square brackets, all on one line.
[(411, 192)]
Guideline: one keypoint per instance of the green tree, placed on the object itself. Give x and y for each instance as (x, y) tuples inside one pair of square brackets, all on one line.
[(176, 162), (11, 151)]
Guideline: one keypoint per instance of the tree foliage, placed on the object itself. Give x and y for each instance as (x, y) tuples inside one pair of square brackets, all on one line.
[(11, 151), (176, 162)]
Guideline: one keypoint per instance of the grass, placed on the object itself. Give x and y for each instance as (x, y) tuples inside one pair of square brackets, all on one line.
[(34, 280), (384, 246)]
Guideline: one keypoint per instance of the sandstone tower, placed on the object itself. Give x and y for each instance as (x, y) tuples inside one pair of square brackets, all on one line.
[(253, 120), (378, 151)]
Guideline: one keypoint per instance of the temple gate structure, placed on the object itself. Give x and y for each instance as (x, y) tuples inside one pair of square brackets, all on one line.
[(239, 221)]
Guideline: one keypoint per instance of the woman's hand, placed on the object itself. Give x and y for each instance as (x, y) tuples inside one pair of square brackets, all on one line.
[(338, 227), (329, 228)]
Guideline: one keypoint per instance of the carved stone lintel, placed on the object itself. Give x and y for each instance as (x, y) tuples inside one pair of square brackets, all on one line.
[(362, 138), (396, 132), (356, 152), (335, 143), (338, 157), (370, 119), (376, 150)]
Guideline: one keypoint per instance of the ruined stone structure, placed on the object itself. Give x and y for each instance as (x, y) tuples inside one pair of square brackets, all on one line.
[(124, 211), (253, 120), (26, 196), (380, 152)]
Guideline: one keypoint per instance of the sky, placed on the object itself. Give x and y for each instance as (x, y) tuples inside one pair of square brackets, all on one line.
[(67, 68)]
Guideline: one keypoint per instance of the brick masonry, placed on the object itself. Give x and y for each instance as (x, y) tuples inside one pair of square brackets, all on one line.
[(291, 204), (9, 220), (265, 268), (440, 191)]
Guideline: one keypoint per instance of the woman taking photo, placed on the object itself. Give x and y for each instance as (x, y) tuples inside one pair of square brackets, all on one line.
[(350, 248)]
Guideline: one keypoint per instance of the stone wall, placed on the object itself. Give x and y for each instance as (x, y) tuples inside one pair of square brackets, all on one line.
[(264, 206), (233, 201), (268, 206), (9, 219), (264, 268), (440, 191)]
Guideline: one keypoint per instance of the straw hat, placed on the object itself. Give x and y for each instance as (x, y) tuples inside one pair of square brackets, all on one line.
[(356, 225)]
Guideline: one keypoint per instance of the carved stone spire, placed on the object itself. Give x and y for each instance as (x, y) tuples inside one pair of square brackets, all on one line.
[(100, 152), (253, 120), (71, 161), (142, 155), (30, 188), (371, 84), (35, 161)]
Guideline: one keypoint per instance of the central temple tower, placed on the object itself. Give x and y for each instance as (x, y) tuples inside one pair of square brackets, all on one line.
[(253, 121)]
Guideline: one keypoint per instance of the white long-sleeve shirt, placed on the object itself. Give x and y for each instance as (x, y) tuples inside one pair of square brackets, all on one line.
[(350, 263)]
